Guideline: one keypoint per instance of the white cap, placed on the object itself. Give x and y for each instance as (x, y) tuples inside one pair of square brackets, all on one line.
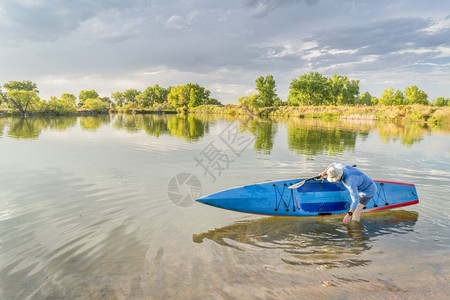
[(335, 172)]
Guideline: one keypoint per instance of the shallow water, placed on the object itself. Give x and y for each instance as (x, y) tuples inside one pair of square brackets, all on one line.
[(95, 207)]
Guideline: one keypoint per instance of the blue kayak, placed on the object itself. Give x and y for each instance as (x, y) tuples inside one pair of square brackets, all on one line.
[(314, 198)]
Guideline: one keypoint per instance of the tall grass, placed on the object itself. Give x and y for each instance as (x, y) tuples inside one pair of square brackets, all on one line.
[(411, 113)]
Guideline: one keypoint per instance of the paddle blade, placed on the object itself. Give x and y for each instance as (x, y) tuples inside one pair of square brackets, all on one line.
[(297, 185)]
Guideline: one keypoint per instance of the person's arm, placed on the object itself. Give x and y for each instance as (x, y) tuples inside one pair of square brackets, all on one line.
[(322, 174), (355, 200), (353, 189)]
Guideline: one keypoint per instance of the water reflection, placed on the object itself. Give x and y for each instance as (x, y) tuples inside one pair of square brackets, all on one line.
[(407, 134), (322, 242), (93, 123), (31, 128), (312, 137), (189, 127), (264, 132), (305, 137)]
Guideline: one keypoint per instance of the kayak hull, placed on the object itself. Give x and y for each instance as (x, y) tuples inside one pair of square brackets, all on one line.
[(314, 198)]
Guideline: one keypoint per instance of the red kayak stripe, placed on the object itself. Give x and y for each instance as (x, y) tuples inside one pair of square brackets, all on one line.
[(393, 182), (393, 206)]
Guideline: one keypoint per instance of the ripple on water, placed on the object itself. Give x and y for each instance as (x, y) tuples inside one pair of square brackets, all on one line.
[(313, 241), (61, 226)]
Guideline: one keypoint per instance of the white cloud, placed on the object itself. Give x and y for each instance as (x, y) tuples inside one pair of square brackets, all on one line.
[(55, 80), (182, 23), (421, 50), (438, 25), (368, 59), (92, 77), (443, 51), (312, 54), (341, 51), (111, 26), (176, 22), (289, 48)]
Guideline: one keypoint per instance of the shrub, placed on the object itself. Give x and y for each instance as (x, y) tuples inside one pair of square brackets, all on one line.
[(96, 105)]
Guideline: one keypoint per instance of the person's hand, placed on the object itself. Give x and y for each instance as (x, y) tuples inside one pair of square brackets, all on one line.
[(322, 175), (347, 219)]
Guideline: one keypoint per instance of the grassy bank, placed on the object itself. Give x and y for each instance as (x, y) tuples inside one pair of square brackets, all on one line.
[(412, 113), (86, 112)]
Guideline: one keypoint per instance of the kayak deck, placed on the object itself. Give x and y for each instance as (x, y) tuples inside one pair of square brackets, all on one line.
[(314, 198)]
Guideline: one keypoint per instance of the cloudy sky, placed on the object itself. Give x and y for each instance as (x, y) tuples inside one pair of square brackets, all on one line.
[(113, 45)]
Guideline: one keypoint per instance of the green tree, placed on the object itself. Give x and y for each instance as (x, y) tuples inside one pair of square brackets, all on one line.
[(415, 96), (24, 101), (69, 98), (151, 95), (118, 98), (64, 106), (267, 89), (96, 104), (251, 101), (441, 101), (198, 95), (342, 90), (179, 97), (21, 95), (131, 95), (375, 100), (399, 98), (108, 100), (390, 98), (309, 89), (24, 85), (188, 96), (365, 99), (213, 101), (387, 98), (84, 95)]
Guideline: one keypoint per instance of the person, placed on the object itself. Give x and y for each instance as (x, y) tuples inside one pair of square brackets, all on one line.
[(361, 187)]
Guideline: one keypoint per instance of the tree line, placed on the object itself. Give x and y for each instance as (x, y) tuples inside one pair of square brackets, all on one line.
[(308, 89), (317, 89), (22, 96)]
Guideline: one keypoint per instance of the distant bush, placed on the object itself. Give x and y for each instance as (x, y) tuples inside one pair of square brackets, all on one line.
[(57, 107), (96, 105)]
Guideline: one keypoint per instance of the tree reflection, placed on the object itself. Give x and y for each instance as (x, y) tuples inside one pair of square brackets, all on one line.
[(93, 123), (304, 136), (311, 137), (313, 241), (189, 127), (156, 125), (408, 134), (2, 126), (264, 132), (31, 128)]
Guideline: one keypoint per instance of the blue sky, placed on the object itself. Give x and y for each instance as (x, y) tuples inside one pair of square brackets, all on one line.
[(112, 45)]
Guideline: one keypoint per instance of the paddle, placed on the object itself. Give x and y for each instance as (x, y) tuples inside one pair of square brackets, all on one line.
[(299, 184)]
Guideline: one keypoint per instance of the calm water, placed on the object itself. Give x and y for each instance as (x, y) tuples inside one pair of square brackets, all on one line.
[(96, 208)]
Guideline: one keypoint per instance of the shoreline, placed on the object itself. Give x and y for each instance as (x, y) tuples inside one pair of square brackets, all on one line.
[(413, 113)]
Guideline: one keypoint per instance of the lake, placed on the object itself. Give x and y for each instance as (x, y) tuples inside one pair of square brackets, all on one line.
[(102, 208)]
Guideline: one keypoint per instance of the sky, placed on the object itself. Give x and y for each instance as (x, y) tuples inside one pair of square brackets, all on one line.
[(113, 45)]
